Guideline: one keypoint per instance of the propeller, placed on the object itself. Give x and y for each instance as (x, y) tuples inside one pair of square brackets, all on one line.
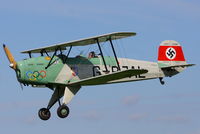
[(13, 63)]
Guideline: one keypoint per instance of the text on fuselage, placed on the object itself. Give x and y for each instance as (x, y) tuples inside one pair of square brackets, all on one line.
[(96, 70)]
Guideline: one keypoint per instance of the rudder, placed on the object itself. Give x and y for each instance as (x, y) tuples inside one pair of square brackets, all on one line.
[(170, 53)]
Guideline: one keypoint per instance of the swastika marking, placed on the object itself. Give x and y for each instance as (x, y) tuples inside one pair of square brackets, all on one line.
[(170, 53)]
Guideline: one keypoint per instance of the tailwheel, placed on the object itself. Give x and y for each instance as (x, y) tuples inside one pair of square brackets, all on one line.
[(63, 111), (44, 114), (161, 81)]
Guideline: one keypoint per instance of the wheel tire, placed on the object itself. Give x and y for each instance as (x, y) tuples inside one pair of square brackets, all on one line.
[(44, 114), (63, 111), (163, 83)]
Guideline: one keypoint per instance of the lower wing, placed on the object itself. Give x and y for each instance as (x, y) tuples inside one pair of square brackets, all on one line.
[(103, 79)]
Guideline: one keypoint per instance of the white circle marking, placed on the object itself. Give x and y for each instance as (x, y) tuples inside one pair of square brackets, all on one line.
[(170, 53)]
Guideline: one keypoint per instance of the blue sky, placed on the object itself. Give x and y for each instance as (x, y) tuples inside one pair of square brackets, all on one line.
[(136, 107)]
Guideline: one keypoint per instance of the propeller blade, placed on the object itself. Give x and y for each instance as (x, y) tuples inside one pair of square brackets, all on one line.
[(21, 85), (13, 63)]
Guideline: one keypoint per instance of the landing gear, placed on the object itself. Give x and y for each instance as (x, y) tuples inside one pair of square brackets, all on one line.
[(63, 111), (161, 81), (44, 114)]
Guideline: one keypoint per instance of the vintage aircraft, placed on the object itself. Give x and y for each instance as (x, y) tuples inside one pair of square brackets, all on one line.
[(66, 75)]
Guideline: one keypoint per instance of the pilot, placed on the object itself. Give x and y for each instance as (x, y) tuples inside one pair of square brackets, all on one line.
[(91, 54)]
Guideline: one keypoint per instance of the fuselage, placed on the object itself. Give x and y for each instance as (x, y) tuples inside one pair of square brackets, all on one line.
[(65, 70)]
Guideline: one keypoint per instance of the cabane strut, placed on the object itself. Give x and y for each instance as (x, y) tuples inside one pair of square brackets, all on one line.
[(52, 58)]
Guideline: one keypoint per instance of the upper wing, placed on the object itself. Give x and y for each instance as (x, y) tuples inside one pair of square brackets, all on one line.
[(103, 79), (83, 42)]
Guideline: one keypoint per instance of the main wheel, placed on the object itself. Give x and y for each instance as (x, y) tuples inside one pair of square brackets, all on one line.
[(44, 114), (63, 111)]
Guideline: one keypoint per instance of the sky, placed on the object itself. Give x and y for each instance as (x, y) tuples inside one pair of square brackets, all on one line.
[(136, 107)]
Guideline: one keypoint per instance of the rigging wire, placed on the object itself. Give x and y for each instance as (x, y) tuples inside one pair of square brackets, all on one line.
[(107, 52), (125, 54), (120, 52)]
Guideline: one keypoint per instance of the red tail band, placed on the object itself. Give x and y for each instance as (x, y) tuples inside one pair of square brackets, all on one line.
[(170, 53)]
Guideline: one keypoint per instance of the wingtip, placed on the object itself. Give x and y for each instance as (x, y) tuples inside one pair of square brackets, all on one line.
[(4, 45)]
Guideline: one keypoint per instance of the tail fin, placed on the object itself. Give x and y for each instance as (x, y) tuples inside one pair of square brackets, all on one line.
[(171, 59), (170, 53)]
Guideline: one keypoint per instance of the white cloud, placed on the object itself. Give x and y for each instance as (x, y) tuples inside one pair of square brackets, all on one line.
[(18, 105), (31, 120), (143, 8), (92, 115), (137, 117), (196, 132), (131, 100), (173, 119)]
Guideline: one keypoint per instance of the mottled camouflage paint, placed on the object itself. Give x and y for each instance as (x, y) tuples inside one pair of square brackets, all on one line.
[(32, 71), (78, 68)]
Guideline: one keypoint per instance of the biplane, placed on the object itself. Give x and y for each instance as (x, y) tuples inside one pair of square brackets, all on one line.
[(65, 75)]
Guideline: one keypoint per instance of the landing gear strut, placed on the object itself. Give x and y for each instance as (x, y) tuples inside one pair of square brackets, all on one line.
[(161, 80)]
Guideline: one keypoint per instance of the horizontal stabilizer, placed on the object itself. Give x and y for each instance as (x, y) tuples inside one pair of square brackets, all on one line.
[(184, 65), (103, 79)]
